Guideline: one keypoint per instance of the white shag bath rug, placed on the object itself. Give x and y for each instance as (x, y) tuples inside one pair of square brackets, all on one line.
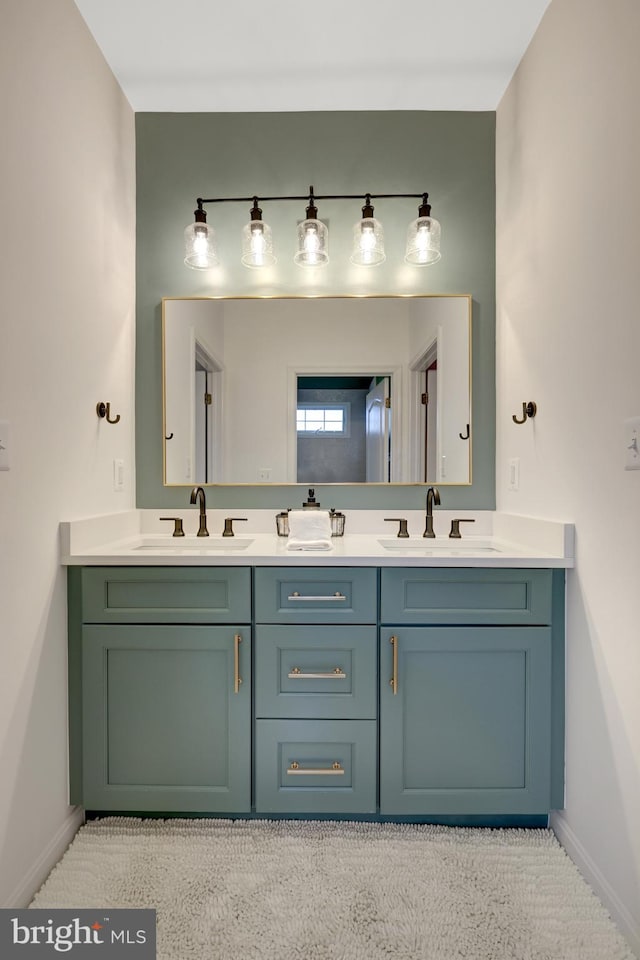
[(312, 890)]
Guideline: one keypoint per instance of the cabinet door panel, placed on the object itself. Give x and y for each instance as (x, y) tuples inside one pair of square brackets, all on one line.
[(469, 728), (468, 595), (163, 728), (166, 595)]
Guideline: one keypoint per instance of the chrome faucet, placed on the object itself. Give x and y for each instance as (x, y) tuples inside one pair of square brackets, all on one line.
[(198, 494), (433, 496)]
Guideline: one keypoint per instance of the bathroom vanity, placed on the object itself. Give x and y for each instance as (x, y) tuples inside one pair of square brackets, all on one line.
[(374, 681)]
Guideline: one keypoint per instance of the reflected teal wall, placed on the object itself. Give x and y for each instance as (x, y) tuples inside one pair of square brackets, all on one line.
[(184, 156)]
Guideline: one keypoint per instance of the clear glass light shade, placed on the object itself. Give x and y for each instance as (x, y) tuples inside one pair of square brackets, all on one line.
[(313, 244), (423, 241), (368, 243), (257, 245), (199, 246)]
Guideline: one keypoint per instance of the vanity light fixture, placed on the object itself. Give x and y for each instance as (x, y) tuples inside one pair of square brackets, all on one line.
[(199, 242), (313, 238), (368, 238), (257, 241), (423, 238)]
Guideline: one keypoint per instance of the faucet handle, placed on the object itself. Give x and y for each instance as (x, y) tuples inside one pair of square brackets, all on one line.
[(178, 530), (455, 527), (228, 526), (402, 532)]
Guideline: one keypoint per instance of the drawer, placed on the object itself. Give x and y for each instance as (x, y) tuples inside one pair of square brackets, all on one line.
[(313, 595), (465, 596), (166, 595), (316, 766), (315, 671)]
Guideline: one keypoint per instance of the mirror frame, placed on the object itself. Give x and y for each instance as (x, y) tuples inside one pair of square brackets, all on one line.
[(412, 374)]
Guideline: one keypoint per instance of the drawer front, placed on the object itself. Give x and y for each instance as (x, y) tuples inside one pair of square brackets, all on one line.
[(313, 595), (166, 595), (465, 596), (316, 671), (316, 766)]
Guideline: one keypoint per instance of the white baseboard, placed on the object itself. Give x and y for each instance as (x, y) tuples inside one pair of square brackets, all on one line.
[(41, 869), (597, 881)]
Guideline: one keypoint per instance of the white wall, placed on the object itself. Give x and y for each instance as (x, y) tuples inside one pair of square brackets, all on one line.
[(568, 337), (67, 179)]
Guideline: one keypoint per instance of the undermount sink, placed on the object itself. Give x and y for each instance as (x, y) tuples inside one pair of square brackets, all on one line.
[(207, 544), (426, 545)]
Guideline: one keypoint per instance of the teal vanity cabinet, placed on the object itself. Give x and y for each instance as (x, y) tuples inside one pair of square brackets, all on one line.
[(471, 691), (316, 691), (427, 693), (160, 688)]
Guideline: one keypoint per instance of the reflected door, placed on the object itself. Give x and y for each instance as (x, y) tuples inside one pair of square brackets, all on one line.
[(377, 428)]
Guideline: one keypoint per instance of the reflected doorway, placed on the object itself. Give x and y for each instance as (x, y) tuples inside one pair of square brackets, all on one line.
[(343, 429), (207, 415)]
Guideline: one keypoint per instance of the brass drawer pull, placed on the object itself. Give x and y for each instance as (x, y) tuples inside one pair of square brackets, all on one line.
[(394, 679), (336, 674), (335, 770), (237, 640), (336, 596)]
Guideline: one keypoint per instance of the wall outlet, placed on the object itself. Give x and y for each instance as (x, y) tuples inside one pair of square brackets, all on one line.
[(5, 444), (632, 444), (264, 474), (118, 475), (514, 474)]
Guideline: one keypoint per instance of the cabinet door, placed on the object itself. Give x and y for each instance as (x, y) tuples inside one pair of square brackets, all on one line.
[(468, 730), (166, 718)]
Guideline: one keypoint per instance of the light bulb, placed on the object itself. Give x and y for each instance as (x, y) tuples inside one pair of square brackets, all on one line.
[(311, 243), (368, 243), (257, 245)]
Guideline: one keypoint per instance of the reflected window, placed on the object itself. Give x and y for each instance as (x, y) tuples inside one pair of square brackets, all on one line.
[(314, 419)]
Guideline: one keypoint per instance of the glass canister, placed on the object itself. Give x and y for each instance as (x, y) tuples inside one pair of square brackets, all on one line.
[(337, 519), (282, 523)]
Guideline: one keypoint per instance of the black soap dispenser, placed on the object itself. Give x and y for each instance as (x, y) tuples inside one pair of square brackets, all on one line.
[(311, 499)]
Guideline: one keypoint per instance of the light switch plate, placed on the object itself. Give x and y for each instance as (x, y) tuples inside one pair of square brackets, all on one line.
[(514, 474), (118, 475), (632, 443), (5, 445)]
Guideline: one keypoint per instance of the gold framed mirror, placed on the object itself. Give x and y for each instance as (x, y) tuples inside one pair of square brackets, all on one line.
[(291, 390)]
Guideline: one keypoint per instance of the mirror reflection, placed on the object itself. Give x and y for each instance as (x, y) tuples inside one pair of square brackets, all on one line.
[(317, 390)]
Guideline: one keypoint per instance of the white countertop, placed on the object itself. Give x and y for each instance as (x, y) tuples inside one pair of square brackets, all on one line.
[(140, 538)]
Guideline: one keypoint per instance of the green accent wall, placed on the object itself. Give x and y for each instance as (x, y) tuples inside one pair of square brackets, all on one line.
[(182, 156)]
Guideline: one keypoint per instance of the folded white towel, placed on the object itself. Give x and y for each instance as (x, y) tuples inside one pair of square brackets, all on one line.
[(309, 530), (309, 544)]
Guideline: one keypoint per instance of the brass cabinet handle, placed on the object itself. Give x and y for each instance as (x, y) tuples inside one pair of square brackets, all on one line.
[(336, 596), (394, 679), (336, 674), (335, 770), (237, 640)]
